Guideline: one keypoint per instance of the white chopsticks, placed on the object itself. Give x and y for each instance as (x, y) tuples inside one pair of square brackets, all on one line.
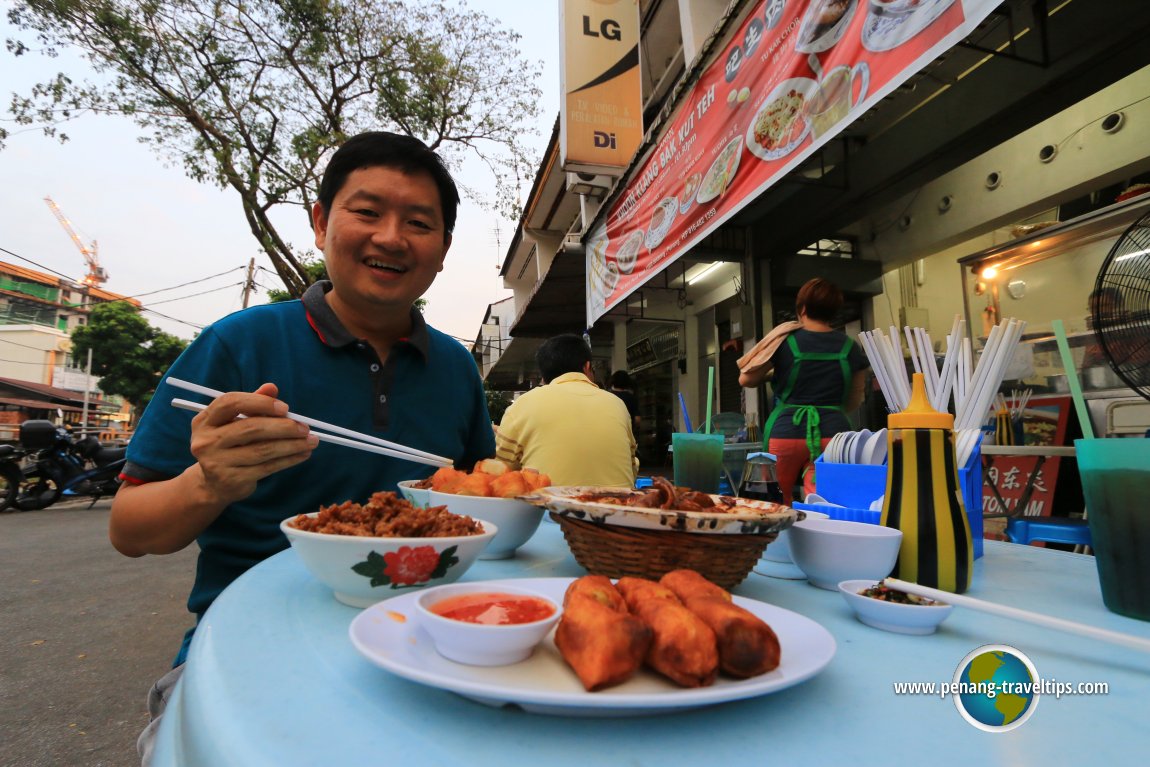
[(359, 441), (1115, 637)]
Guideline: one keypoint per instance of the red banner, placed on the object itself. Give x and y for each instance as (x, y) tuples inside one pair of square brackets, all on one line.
[(792, 77)]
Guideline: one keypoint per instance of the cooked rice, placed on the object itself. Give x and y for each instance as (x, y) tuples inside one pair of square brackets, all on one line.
[(387, 515)]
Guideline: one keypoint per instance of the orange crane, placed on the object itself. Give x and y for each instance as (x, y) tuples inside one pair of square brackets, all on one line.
[(96, 275)]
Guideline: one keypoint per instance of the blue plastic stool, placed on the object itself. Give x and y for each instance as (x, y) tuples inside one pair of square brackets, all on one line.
[(1050, 529)]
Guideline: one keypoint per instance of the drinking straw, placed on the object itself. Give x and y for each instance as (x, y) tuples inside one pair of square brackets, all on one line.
[(1039, 619), (710, 396), (686, 418), (1072, 379)]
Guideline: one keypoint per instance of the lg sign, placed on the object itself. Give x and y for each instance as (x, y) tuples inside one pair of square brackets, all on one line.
[(608, 29)]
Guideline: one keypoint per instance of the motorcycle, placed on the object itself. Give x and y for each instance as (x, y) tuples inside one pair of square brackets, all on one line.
[(59, 465)]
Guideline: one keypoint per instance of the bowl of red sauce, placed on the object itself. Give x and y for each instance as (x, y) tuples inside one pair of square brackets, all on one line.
[(485, 624)]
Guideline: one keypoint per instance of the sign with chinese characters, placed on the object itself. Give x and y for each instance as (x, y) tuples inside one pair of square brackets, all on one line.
[(601, 123), (792, 77), (1013, 480)]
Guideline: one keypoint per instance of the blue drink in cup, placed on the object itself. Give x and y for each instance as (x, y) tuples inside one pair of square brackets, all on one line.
[(698, 460), (1116, 483)]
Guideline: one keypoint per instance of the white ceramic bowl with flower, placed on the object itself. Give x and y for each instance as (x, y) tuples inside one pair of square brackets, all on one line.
[(364, 570), (418, 496)]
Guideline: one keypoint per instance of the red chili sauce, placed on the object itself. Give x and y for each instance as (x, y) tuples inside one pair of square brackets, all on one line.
[(494, 609)]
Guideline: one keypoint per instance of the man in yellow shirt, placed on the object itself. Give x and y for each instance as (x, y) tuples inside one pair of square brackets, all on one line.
[(569, 429)]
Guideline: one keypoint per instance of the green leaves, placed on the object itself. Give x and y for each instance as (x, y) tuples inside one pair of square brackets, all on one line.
[(128, 355), (253, 97)]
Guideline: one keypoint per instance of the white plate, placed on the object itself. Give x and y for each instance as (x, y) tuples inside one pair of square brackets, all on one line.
[(387, 635), (690, 187), (885, 31), (787, 571), (797, 127), (754, 518), (662, 217), (875, 452), (816, 38), (723, 169), (628, 253), (858, 447)]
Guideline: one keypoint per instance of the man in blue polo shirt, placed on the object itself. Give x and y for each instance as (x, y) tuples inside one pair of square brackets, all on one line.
[(353, 352)]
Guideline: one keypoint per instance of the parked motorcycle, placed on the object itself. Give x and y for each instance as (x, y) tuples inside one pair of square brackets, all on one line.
[(11, 475), (59, 465)]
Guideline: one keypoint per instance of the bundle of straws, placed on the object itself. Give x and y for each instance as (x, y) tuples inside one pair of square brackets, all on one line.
[(972, 387)]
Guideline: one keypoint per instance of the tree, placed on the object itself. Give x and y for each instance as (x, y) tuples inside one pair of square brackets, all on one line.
[(128, 355), (497, 402), (254, 95)]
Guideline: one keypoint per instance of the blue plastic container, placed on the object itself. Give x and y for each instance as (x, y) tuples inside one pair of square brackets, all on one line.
[(856, 485)]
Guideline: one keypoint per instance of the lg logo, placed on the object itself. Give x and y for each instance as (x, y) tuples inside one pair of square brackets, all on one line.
[(608, 29)]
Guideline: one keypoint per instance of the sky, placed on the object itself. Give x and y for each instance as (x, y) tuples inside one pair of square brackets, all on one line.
[(183, 247)]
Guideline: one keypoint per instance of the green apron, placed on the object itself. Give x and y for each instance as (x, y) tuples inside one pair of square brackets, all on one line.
[(808, 413)]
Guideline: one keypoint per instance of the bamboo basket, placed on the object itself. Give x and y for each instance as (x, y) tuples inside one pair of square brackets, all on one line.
[(616, 551)]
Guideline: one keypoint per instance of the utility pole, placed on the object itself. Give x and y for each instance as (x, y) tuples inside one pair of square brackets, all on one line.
[(248, 281), (87, 392)]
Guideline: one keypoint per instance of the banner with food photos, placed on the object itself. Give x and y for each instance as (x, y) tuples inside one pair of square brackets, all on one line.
[(793, 76)]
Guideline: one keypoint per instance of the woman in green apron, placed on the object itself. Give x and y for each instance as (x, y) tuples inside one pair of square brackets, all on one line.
[(818, 376)]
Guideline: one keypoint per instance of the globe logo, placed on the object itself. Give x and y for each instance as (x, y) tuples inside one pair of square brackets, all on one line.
[(997, 688)]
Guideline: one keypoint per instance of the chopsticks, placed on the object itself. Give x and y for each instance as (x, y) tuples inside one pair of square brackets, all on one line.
[(1114, 637), (359, 441)]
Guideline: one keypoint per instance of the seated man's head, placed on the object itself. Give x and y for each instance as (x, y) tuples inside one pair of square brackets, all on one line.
[(383, 219), (567, 353)]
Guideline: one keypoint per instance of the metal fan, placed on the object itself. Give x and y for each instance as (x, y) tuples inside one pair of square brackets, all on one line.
[(1120, 307)]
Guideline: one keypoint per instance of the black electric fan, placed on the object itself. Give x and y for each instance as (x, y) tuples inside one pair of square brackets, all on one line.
[(1121, 306)]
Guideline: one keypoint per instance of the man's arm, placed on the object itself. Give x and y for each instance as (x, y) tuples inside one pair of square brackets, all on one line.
[(232, 455)]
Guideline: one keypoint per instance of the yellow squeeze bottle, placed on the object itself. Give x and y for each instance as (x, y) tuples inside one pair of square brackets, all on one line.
[(924, 499)]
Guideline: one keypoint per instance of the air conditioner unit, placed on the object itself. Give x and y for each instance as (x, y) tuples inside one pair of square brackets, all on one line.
[(588, 184)]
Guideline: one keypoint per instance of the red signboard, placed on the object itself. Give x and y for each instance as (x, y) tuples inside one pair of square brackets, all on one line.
[(1008, 479), (792, 77)]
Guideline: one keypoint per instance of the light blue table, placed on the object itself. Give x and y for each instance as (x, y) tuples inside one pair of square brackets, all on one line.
[(273, 679)]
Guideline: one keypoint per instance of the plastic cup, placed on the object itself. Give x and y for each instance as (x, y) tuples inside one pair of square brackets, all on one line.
[(1116, 483), (698, 460)]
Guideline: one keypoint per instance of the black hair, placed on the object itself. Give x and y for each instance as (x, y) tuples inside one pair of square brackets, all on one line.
[(620, 380), (391, 150), (566, 353)]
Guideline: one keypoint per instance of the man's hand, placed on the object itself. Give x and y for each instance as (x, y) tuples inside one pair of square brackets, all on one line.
[(242, 438), (239, 439)]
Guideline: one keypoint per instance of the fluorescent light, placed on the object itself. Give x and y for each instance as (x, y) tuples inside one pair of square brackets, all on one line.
[(1135, 254), (714, 265)]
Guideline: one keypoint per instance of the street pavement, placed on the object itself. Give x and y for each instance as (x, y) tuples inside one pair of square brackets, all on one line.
[(84, 632)]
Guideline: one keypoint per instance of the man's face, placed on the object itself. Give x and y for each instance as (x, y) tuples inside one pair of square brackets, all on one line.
[(383, 239)]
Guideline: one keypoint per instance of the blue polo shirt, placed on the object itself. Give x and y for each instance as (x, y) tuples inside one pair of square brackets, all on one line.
[(427, 395)]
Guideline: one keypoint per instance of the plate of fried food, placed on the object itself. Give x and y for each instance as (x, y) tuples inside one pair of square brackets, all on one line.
[(663, 506), (778, 126), (626, 648)]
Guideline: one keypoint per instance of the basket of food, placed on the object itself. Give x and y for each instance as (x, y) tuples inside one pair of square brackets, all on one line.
[(648, 533)]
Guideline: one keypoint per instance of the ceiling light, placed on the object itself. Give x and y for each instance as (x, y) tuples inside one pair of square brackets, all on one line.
[(700, 275)]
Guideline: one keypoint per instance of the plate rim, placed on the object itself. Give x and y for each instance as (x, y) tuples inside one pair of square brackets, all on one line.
[(609, 701), (839, 28), (671, 202), (699, 198), (901, 38), (749, 135), (652, 519)]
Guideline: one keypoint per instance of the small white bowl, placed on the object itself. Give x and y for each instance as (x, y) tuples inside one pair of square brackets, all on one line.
[(482, 644), (418, 496), (833, 550), (517, 520), (779, 550), (362, 570), (892, 616)]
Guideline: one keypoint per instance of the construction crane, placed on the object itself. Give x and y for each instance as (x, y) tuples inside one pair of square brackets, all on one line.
[(96, 275)]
